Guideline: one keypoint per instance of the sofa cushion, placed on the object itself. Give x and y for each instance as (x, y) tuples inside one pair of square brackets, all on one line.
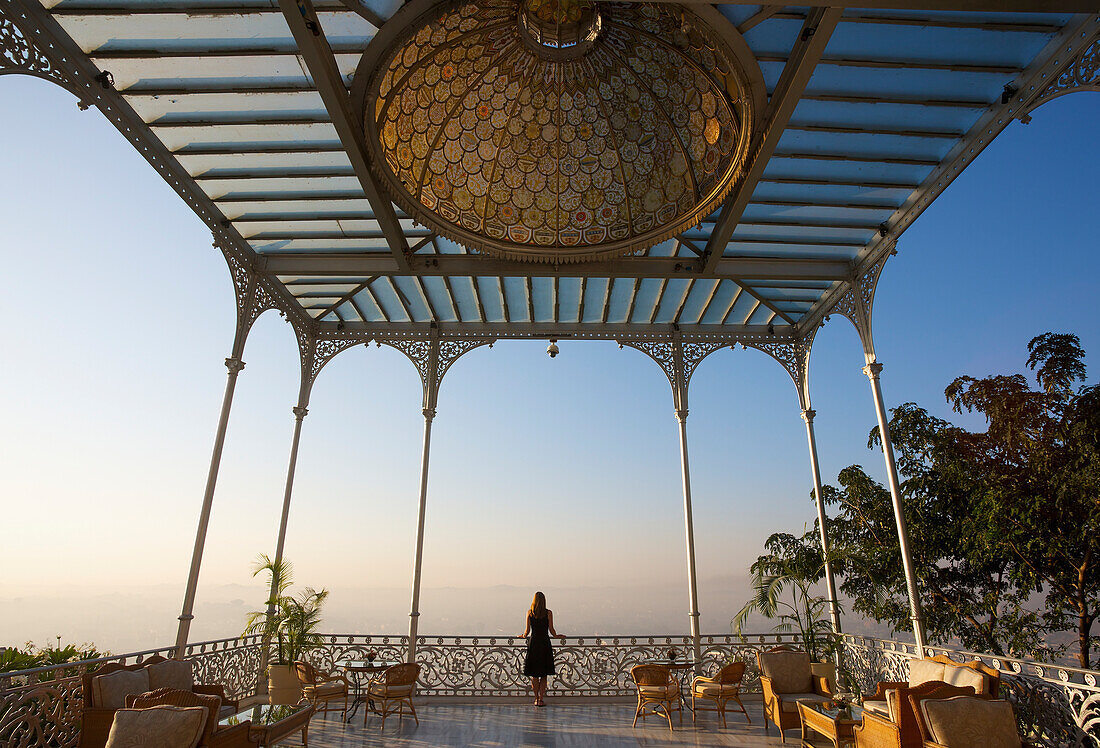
[(157, 727), (789, 671), (964, 676), (788, 702), (716, 690), (110, 691), (175, 674), (923, 671), (970, 722)]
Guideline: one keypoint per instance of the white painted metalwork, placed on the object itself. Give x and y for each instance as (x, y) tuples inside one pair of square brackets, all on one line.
[(1056, 705)]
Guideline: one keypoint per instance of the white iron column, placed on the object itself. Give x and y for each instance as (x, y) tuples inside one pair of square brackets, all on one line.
[(431, 387), (300, 413), (830, 583), (680, 394), (693, 592), (234, 365), (872, 370)]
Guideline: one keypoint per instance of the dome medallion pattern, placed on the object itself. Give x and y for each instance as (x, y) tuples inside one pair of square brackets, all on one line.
[(556, 130)]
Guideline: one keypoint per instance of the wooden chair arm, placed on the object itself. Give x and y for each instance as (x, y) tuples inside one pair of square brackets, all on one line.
[(821, 686), (877, 732), (883, 687), (215, 689)]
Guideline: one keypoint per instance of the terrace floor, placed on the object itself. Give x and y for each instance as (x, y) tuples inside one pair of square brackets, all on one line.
[(564, 722)]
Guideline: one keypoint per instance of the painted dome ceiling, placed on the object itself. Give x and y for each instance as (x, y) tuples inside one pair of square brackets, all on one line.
[(556, 130)]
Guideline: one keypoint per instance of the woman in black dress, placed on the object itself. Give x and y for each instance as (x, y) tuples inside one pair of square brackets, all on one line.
[(539, 662)]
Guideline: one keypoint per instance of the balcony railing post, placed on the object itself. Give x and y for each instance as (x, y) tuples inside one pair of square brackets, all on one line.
[(234, 365), (872, 370)]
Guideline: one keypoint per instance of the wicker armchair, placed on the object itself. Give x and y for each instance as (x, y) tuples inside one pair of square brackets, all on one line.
[(786, 678), (320, 687), (723, 687), (658, 693), (96, 714), (213, 734), (975, 718), (392, 690), (901, 728)]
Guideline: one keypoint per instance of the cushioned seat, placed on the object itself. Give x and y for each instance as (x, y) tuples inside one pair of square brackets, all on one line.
[(393, 690), (658, 693), (877, 706), (724, 687), (966, 722), (787, 676), (160, 726)]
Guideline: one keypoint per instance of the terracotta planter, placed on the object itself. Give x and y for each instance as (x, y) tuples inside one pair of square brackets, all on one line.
[(282, 685)]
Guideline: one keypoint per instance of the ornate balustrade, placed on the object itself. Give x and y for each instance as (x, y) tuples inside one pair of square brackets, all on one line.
[(1055, 705), (41, 707), (586, 666)]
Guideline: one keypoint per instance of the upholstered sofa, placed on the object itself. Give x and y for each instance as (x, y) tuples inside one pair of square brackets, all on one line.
[(965, 721), (106, 689), (890, 702), (787, 677), (213, 734)]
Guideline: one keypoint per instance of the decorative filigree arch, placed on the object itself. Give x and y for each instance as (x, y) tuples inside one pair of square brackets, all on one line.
[(19, 55), (858, 301), (252, 295), (433, 356), (316, 350), (678, 359), (794, 356), (1081, 73)]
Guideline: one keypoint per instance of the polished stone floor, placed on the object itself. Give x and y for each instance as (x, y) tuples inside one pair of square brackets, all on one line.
[(565, 723)]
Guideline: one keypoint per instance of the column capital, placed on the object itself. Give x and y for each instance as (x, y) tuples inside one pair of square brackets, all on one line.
[(299, 412), (235, 365), (808, 415), (429, 413), (872, 370), (681, 414)]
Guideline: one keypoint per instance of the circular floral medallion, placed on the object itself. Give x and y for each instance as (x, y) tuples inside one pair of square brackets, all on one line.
[(556, 130)]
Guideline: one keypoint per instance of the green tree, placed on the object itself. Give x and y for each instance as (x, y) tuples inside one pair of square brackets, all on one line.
[(1039, 468)]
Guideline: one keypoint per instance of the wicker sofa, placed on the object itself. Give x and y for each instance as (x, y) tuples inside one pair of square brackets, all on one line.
[(106, 688), (891, 703)]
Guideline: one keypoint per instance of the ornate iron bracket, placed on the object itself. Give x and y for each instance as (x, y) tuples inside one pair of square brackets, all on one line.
[(316, 350), (433, 356), (858, 301), (794, 356), (18, 54), (678, 360), (1081, 73), (252, 294)]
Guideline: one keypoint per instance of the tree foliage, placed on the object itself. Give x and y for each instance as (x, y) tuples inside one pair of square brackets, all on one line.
[(1004, 524)]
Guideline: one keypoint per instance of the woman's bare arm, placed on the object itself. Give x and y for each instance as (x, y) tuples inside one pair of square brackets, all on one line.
[(526, 628), (550, 621)]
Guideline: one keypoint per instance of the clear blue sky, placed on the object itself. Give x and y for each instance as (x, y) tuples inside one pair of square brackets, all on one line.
[(118, 313)]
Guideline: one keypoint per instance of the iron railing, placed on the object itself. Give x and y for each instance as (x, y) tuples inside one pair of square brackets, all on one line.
[(1056, 706)]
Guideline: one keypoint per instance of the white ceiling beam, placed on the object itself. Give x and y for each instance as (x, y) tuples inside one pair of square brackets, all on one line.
[(816, 31), (566, 331), (314, 48), (364, 265)]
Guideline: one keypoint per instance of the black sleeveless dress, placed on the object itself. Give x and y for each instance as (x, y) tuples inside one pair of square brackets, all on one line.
[(539, 661)]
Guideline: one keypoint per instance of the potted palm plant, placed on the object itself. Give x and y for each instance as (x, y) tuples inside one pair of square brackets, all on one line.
[(288, 625), (803, 613)]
